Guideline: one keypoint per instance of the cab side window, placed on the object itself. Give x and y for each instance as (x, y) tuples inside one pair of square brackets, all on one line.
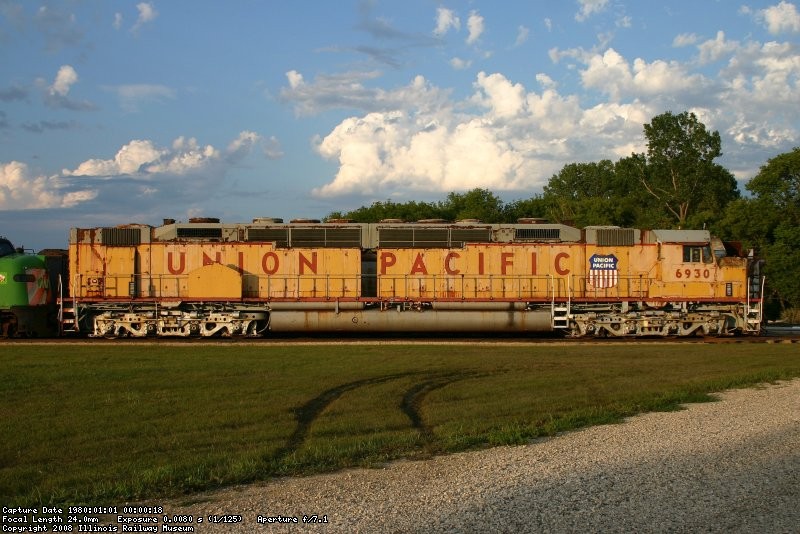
[(697, 254), (692, 254)]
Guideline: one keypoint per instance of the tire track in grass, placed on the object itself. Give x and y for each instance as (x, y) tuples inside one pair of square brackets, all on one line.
[(412, 401), (410, 405), (310, 411)]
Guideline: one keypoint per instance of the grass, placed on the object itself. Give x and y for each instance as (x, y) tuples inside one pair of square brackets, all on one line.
[(107, 424)]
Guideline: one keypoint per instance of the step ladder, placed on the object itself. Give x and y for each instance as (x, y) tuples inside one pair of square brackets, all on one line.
[(753, 313), (559, 311), (67, 312), (560, 315), (68, 320)]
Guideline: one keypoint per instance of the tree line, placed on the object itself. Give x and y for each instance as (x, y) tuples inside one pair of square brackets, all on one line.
[(674, 184)]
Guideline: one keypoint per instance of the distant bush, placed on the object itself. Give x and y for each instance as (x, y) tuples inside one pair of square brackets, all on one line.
[(791, 315)]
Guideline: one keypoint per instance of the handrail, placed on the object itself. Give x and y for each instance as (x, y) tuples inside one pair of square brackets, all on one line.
[(433, 286)]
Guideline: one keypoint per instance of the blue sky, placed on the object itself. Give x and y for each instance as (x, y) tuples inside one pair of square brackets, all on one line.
[(135, 111)]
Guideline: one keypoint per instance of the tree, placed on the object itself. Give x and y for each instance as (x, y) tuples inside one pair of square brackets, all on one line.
[(680, 173), (535, 207), (778, 182), (587, 194), (750, 221), (408, 211), (776, 202), (644, 209), (478, 203), (781, 266)]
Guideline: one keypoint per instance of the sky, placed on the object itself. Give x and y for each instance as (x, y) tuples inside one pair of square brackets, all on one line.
[(135, 111)]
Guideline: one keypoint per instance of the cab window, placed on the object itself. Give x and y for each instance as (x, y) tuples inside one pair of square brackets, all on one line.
[(697, 254), (691, 254)]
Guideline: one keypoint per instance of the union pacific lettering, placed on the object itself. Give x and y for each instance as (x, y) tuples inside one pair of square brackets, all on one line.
[(260, 260), (470, 262)]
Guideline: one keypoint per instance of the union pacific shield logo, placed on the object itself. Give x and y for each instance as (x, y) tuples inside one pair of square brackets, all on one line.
[(603, 271)]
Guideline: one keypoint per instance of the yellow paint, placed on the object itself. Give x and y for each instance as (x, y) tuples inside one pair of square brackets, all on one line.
[(214, 281), (477, 271)]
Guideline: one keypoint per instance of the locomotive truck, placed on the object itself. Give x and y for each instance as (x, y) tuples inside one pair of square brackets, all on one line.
[(207, 278)]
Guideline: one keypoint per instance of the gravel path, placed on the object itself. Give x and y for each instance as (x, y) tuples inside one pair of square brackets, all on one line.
[(714, 467)]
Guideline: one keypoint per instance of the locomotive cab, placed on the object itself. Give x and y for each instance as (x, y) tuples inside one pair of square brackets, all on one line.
[(26, 305)]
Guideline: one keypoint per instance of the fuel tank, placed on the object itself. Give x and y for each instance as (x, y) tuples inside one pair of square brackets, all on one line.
[(392, 320)]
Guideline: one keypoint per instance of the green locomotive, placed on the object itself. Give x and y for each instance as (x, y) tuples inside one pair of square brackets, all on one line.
[(26, 301)]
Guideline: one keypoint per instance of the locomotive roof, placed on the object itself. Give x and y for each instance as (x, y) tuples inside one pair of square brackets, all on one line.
[(388, 234), (681, 236)]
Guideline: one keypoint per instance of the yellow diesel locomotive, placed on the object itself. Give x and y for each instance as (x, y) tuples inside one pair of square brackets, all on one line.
[(207, 278)]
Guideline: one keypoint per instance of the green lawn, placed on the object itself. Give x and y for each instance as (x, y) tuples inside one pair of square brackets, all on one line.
[(106, 424)]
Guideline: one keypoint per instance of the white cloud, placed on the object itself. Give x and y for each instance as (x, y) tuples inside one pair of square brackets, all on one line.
[(242, 145), (589, 8), (716, 49), (522, 35), (546, 81), (504, 136), (475, 26), (604, 39), (132, 96), (74, 198), (143, 159), (186, 156), (295, 79), (130, 159), (760, 95), (460, 64), (147, 13), (446, 19), (20, 189), (346, 90), (516, 142), (273, 148), (117, 24), (548, 23), (65, 78), (144, 180), (781, 18), (613, 75), (57, 94), (384, 151), (579, 54), (502, 98), (685, 39)]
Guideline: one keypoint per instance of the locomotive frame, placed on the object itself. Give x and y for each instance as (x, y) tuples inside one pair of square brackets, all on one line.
[(206, 278)]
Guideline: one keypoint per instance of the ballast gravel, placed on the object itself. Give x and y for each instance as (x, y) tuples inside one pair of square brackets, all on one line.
[(728, 466)]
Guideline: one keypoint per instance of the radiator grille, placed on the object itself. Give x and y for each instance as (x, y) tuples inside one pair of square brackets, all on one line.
[(615, 237), (280, 236), (121, 237), (459, 237), (432, 237), (203, 233), (537, 234), (308, 237), (326, 237)]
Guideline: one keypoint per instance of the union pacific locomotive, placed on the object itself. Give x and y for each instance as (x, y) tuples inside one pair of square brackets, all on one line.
[(206, 278)]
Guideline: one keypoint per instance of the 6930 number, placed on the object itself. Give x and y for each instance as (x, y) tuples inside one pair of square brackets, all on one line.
[(693, 273)]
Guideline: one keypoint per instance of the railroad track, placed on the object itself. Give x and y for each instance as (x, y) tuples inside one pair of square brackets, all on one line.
[(413, 340)]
